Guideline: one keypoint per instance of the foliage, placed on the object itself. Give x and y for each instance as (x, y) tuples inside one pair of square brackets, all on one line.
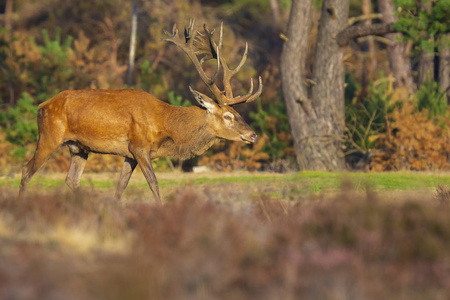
[(20, 121), (3, 57), (430, 97), (254, 7), (424, 26), (177, 100), (5, 155), (90, 65), (398, 133), (8, 78), (413, 141), (237, 157), (52, 73), (41, 70), (351, 88), (366, 120), (150, 79), (272, 122)]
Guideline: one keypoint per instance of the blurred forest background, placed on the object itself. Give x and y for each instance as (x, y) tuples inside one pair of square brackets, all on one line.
[(395, 117)]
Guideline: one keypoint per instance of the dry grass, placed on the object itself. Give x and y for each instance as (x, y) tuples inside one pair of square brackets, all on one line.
[(224, 243)]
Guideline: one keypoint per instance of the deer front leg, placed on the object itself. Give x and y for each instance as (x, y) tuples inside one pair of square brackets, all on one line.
[(127, 169), (143, 159)]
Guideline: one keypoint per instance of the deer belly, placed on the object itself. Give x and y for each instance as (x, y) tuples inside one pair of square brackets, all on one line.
[(100, 145)]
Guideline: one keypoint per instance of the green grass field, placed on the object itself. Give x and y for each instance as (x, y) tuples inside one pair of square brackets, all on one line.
[(307, 181), (306, 235)]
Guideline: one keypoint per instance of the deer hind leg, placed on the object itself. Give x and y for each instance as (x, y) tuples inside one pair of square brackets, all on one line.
[(45, 148), (143, 158), (77, 163), (127, 169)]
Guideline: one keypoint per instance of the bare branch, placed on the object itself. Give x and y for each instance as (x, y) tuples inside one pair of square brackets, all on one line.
[(349, 33), (353, 20)]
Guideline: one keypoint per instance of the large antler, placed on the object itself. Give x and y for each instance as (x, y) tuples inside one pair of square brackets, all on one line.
[(197, 43)]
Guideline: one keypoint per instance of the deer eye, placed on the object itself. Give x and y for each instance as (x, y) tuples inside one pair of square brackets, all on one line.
[(227, 117)]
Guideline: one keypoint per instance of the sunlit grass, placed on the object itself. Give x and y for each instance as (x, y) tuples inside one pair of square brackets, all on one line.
[(310, 181)]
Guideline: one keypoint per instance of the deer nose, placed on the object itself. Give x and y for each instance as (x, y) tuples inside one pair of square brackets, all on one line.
[(253, 137)]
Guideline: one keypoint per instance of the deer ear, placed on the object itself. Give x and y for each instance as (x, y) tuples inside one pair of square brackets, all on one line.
[(204, 101)]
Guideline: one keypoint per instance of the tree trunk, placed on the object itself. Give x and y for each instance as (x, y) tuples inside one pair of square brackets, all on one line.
[(275, 12), (8, 14), (369, 59), (293, 60), (132, 52), (444, 70), (426, 59), (325, 145), (426, 67), (317, 125), (400, 65)]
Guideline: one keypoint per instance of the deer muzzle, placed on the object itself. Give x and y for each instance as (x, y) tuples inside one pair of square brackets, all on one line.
[(249, 138)]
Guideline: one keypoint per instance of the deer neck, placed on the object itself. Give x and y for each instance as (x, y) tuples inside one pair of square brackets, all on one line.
[(188, 133)]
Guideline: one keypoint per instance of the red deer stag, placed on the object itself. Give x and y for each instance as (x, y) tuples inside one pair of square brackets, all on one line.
[(139, 127)]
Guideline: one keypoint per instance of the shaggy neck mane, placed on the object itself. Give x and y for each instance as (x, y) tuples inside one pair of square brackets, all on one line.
[(189, 136)]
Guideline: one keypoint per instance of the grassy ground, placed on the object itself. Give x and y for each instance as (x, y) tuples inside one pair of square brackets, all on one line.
[(307, 235), (288, 186)]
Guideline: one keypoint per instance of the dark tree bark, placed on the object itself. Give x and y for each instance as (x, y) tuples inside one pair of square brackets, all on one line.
[(400, 65), (325, 145), (8, 14), (426, 67), (317, 124), (275, 12), (293, 60), (426, 59), (369, 61), (444, 70), (353, 32)]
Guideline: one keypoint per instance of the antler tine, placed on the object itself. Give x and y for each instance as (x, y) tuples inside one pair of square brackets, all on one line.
[(169, 34), (228, 73), (174, 38), (175, 30), (188, 47), (243, 98), (258, 92), (248, 97), (221, 35), (189, 33), (210, 54), (243, 60), (213, 78), (197, 44), (227, 95)]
